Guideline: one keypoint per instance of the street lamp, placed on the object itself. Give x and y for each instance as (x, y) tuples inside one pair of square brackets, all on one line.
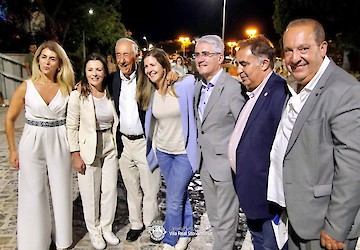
[(91, 12), (147, 44), (231, 45), (184, 42), (223, 21), (251, 32)]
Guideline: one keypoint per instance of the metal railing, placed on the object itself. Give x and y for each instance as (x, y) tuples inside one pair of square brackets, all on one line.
[(11, 74)]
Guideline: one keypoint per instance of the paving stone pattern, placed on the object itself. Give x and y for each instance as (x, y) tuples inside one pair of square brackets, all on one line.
[(8, 209)]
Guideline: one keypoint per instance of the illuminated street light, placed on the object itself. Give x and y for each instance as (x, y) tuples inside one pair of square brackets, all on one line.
[(231, 45), (251, 32), (91, 12), (147, 44), (185, 41)]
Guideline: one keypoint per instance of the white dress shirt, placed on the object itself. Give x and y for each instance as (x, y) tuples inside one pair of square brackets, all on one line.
[(130, 123), (275, 192)]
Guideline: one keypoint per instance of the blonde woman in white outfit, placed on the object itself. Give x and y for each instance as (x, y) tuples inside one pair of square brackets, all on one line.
[(44, 155), (91, 126)]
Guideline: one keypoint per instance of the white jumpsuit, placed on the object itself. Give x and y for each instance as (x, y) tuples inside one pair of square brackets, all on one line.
[(44, 157)]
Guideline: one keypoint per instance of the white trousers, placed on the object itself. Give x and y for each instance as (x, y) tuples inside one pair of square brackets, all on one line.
[(44, 157), (98, 187), (141, 184)]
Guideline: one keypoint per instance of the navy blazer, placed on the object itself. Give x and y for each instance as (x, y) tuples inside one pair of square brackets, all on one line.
[(253, 151), (113, 82)]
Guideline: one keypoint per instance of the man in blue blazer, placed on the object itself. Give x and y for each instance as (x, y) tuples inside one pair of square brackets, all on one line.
[(250, 143)]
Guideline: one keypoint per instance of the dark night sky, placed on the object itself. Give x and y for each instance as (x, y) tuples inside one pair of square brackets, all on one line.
[(161, 20)]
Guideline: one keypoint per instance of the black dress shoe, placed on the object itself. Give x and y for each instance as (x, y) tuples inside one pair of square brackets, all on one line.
[(134, 234)]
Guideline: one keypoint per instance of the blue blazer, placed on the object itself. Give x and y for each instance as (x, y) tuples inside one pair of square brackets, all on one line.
[(253, 151), (185, 91)]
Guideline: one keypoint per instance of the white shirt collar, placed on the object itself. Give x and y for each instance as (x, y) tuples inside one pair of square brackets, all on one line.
[(132, 76)]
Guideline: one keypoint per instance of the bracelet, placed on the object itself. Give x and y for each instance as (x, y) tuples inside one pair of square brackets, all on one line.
[(9, 148)]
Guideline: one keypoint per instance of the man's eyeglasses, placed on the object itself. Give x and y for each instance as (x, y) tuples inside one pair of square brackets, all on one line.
[(206, 54)]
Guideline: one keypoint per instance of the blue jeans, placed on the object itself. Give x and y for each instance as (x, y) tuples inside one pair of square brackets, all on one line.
[(177, 172)]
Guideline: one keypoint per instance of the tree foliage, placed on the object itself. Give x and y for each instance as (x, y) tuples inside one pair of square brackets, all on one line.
[(338, 17), (340, 22), (67, 22)]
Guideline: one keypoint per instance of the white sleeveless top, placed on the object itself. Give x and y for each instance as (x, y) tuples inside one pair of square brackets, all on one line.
[(36, 108)]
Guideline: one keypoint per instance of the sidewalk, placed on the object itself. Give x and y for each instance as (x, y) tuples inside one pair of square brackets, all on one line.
[(8, 209)]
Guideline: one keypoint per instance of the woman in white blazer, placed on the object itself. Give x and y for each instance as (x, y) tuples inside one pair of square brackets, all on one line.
[(91, 127)]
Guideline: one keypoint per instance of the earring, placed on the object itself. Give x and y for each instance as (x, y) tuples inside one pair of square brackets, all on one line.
[(58, 70)]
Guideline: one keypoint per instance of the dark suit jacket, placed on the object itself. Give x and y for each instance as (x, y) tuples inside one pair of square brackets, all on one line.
[(113, 82), (253, 151)]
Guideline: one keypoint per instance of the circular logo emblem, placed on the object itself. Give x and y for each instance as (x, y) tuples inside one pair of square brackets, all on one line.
[(157, 230)]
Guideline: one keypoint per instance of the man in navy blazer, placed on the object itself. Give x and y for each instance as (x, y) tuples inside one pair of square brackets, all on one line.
[(250, 143)]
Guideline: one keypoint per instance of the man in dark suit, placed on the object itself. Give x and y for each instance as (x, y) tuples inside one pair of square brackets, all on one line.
[(317, 146), (250, 143), (218, 102), (141, 184)]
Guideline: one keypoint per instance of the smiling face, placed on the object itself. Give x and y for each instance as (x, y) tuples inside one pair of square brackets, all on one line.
[(125, 57), (95, 73), (302, 53), (154, 70), (49, 63), (208, 63)]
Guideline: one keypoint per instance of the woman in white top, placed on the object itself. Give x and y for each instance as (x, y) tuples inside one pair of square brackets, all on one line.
[(44, 158), (91, 127), (180, 66)]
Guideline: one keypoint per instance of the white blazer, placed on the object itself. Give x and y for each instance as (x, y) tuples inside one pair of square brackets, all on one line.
[(81, 126)]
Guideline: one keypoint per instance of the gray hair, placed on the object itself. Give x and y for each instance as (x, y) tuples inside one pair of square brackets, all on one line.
[(214, 40), (134, 44)]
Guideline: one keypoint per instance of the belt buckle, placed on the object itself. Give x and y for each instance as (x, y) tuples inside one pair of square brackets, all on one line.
[(134, 137)]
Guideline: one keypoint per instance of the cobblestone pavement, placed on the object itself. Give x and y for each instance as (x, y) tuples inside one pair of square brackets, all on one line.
[(8, 209)]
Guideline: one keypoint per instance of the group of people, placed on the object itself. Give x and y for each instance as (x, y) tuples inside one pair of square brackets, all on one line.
[(289, 157)]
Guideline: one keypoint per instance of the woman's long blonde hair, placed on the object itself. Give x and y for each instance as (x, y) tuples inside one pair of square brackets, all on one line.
[(65, 76), (144, 87)]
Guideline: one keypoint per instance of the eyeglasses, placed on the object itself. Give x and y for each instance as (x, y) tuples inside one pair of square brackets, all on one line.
[(205, 54)]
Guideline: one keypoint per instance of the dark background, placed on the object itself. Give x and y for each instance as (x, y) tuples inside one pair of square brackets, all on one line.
[(160, 20)]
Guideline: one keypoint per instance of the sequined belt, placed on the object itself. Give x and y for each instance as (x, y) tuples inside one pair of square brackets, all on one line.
[(45, 124)]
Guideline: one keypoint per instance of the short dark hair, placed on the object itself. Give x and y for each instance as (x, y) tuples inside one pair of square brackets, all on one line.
[(260, 46)]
